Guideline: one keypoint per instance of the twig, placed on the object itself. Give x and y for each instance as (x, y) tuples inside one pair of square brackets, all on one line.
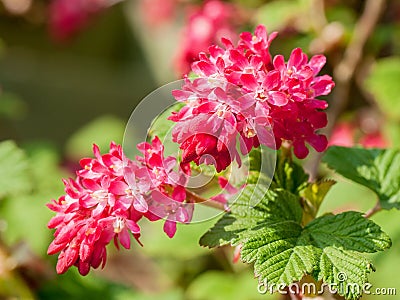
[(344, 71), (317, 15), (373, 210), (208, 202)]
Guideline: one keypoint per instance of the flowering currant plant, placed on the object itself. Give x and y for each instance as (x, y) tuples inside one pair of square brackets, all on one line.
[(237, 103)]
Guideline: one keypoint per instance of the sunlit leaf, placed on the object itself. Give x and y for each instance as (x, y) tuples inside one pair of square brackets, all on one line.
[(377, 169), (283, 251)]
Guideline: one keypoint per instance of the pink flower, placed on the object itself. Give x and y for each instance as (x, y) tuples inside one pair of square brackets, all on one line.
[(172, 208), (236, 253), (230, 191), (157, 169), (97, 195), (167, 198), (84, 227), (258, 44), (107, 199), (130, 191), (208, 133), (111, 163), (243, 92), (202, 148)]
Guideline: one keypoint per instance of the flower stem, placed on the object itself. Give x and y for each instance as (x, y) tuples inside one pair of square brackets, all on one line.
[(208, 202), (373, 210)]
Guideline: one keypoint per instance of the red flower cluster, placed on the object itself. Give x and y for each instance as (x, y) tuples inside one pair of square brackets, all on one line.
[(242, 92), (109, 196)]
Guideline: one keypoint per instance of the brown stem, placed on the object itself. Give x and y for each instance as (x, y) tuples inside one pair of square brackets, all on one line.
[(208, 202), (373, 210), (317, 11), (345, 70)]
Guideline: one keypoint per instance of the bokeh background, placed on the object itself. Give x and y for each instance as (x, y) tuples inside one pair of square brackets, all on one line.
[(72, 71)]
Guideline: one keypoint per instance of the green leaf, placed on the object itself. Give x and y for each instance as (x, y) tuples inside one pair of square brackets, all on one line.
[(285, 252), (255, 159), (383, 83), (290, 176), (14, 166), (348, 230), (272, 206), (377, 169), (279, 253), (272, 237), (260, 166), (316, 192), (26, 212), (344, 269), (313, 196)]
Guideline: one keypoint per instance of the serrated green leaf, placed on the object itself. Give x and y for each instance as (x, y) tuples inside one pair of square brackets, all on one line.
[(26, 212), (279, 253), (345, 269), (327, 248), (383, 83), (270, 206), (377, 169), (348, 230), (223, 232), (282, 251), (14, 170)]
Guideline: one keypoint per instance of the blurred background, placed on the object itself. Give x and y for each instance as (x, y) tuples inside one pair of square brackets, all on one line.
[(71, 73)]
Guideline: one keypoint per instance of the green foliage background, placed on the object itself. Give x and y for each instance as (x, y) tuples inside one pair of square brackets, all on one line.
[(58, 99)]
